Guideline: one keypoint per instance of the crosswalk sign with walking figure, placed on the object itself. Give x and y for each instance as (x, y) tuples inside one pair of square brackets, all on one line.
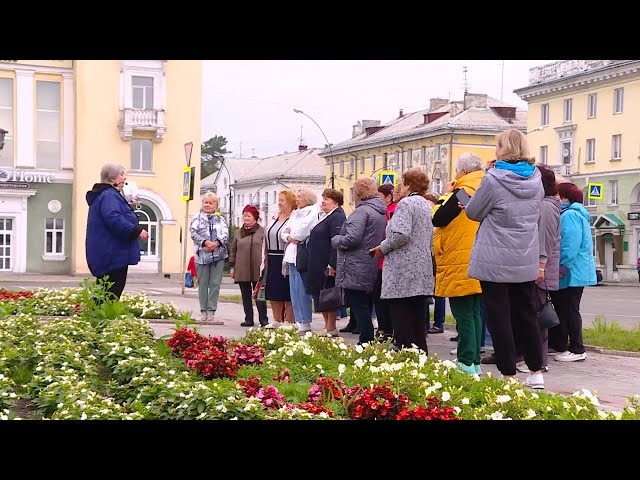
[(594, 191), (387, 178)]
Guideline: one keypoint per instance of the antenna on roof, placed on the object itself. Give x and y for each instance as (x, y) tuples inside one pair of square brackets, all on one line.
[(501, 79), (466, 82), (301, 140), (240, 150)]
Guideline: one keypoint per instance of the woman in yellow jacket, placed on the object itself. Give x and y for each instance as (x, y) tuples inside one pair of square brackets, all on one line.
[(453, 239)]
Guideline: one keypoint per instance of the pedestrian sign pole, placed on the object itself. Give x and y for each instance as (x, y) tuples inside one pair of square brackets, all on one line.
[(188, 182), (387, 178), (595, 191)]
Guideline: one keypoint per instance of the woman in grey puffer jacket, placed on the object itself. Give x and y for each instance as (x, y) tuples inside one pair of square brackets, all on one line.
[(356, 269), (506, 251)]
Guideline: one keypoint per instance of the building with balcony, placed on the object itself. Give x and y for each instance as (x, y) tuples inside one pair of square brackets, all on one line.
[(431, 139), (583, 117), (65, 119)]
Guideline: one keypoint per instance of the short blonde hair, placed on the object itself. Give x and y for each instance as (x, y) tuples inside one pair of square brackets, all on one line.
[(309, 195), (364, 189), (210, 196), (515, 146), (289, 197), (110, 171)]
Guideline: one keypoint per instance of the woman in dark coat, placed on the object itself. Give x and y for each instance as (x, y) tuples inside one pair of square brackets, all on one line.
[(321, 270)]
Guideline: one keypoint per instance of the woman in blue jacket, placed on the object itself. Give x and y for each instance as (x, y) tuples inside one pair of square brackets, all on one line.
[(577, 270), (112, 230)]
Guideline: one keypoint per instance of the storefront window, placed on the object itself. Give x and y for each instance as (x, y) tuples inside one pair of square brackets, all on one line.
[(149, 221)]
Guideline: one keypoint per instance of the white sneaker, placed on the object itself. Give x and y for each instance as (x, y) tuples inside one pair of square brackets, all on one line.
[(535, 381), (274, 324), (572, 357), (522, 367), (453, 351), (562, 354), (203, 317), (304, 327)]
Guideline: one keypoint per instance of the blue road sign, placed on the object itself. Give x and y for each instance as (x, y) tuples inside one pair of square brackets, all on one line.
[(595, 191), (387, 178)]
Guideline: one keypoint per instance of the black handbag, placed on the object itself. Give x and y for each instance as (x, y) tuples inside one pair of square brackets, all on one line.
[(302, 257), (547, 316), (330, 299)]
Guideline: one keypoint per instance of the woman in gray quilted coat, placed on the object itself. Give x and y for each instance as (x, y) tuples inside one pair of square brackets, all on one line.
[(506, 251)]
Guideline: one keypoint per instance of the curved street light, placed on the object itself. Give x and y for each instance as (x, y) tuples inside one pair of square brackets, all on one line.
[(222, 163), (328, 145)]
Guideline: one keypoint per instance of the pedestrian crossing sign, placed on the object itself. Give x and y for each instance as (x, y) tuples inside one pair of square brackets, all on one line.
[(387, 178), (594, 191)]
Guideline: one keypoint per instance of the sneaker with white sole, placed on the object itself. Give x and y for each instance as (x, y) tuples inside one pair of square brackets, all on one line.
[(535, 381), (562, 354), (304, 327), (522, 367), (203, 316), (571, 357), (453, 351), (274, 324)]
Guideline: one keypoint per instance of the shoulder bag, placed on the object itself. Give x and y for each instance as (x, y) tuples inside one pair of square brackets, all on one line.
[(302, 258), (547, 316), (330, 299)]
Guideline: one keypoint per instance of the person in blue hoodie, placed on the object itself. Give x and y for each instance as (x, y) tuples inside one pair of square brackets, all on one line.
[(577, 270), (112, 230)]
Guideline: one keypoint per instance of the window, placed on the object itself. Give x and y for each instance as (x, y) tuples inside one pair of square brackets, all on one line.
[(618, 100), (142, 92), (385, 162), (437, 186), (565, 150), (362, 165), (591, 150), (6, 121), (351, 195), (47, 124), (54, 236), (141, 155), (544, 115), (275, 197), (147, 219), (568, 104), (616, 147), (373, 163), (342, 169), (409, 161), (6, 233), (399, 164), (423, 156), (613, 188), (590, 202), (352, 167), (544, 152), (592, 105)]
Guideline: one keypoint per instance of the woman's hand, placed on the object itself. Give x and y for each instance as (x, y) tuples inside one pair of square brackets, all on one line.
[(232, 273), (540, 275), (331, 272), (144, 235), (376, 252)]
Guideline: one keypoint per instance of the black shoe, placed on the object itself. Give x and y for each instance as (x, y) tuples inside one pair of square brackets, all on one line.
[(349, 328), (436, 330), (355, 331), (490, 360), (246, 324), (454, 339)]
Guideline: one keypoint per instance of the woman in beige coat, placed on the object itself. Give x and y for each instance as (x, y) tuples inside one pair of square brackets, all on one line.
[(246, 260)]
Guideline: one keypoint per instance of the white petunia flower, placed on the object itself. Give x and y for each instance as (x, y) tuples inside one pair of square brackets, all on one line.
[(503, 398), (496, 415), (530, 413), (289, 353), (372, 358), (465, 401), (446, 396), (359, 362), (341, 369)]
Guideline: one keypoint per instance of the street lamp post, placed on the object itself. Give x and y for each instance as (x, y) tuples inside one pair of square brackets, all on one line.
[(328, 144), (230, 197)]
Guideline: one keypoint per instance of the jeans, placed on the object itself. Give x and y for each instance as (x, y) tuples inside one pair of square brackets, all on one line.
[(439, 310), (360, 303), (209, 280), (300, 299)]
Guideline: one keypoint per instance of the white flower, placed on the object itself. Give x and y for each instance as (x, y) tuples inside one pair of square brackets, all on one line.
[(372, 358), (307, 351), (289, 353), (373, 369), (359, 362), (535, 395), (359, 348), (566, 405), (341, 369), (446, 396), (503, 398), (603, 415), (617, 414), (531, 413), (457, 409), (496, 415), (83, 416), (465, 401)]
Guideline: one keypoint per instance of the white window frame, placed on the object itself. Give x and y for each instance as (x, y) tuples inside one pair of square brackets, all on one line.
[(618, 100), (438, 185), (54, 254), (613, 188), (12, 234), (143, 68), (544, 154), (592, 105), (423, 156), (35, 127), (544, 114), (616, 147), (145, 92), (591, 202), (567, 113), (409, 161), (362, 165), (352, 166), (385, 162), (591, 150), (8, 139), (373, 163), (342, 168), (134, 144)]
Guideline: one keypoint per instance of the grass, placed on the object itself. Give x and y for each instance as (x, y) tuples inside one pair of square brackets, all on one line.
[(612, 336)]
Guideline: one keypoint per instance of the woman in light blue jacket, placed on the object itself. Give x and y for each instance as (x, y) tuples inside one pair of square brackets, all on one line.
[(577, 270)]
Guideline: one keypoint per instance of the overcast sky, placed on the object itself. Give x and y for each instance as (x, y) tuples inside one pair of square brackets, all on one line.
[(251, 102)]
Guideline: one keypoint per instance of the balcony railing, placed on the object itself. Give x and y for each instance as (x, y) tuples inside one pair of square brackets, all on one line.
[(132, 119), (564, 170)]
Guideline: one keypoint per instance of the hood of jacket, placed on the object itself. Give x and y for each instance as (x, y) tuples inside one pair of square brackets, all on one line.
[(577, 207), (96, 191), (519, 186), (376, 203), (470, 180)]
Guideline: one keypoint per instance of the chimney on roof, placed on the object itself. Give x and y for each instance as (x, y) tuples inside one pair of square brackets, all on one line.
[(477, 100), (436, 103), (400, 114), (302, 148), (456, 108), (356, 130)]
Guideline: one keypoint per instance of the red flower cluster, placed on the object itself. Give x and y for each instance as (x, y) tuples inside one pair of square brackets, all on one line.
[(248, 354), (76, 309), (377, 403), (6, 295), (327, 389), (269, 396), (315, 409), (250, 386), (432, 412), (210, 362), (284, 377), (183, 338)]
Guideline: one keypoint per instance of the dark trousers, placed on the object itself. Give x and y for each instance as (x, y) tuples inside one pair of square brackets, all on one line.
[(246, 290), (541, 298), (508, 307), (439, 311), (382, 308), (407, 315), (567, 305), (360, 303), (118, 278)]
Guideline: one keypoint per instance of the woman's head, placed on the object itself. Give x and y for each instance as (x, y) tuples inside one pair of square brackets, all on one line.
[(385, 192), (415, 180), (548, 180), (467, 162), (287, 200), (331, 199), (570, 192), (209, 202), (512, 146), (364, 189), (306, 197), (250, 215), (113, 175)]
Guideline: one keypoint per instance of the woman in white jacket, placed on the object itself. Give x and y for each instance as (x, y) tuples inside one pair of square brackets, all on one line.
[(301, 222)]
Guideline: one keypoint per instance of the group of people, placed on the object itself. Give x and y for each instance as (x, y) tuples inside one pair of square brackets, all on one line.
[(504, 237)]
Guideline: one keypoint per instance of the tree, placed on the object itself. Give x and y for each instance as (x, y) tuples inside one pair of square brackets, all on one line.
[(212, 153)]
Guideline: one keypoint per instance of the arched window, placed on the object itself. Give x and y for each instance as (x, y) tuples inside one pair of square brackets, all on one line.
[(149, 221)]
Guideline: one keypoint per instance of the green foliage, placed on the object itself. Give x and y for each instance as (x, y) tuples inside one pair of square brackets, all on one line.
[(612, 336), (212, 153)]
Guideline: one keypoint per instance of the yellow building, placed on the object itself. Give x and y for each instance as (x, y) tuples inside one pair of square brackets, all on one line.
[(65, 119), (431, 139), (583, 121)]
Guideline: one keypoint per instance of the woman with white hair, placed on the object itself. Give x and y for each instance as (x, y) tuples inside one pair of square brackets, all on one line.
[(296, 234), (210, 236), (452, 244)]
